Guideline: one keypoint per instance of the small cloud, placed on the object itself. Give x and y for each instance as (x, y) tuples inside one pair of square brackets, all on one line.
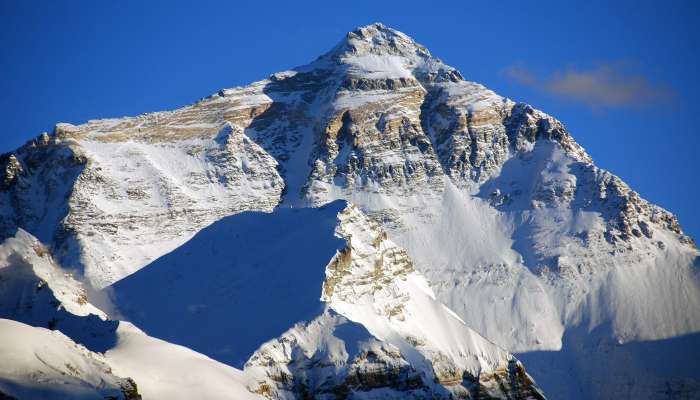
[(606, 86)]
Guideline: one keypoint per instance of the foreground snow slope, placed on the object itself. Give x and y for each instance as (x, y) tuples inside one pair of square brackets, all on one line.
[(164, 370), (501, 210), (38, 363)]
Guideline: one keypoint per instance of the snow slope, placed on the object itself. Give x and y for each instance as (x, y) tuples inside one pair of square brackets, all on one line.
[(38, 363), (167, 371), (35, 290)]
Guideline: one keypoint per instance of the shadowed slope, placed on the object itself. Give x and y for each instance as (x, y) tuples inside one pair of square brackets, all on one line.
[(35, 290), (238, 283)]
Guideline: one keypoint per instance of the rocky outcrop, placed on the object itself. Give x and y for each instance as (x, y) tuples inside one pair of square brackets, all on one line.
[(11, 169)]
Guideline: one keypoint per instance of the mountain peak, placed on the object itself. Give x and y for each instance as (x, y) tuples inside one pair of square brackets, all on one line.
[(377, 51), (378, 39)]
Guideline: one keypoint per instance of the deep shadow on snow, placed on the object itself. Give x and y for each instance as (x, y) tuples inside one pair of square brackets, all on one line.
[(589, 358), (236, 284), (26, 298)]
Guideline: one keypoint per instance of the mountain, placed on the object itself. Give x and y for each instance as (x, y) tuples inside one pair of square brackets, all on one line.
[(482, 204)]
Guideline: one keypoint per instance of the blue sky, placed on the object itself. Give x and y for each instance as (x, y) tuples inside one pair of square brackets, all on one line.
[(622, 77)]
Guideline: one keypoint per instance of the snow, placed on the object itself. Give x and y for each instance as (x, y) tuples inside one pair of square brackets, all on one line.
[(464, 249), (373, 66), (591, 365), (472, 96), (420, 315), (34, 290), (164, 370), (143, 187), (41, 364), (24, 258)]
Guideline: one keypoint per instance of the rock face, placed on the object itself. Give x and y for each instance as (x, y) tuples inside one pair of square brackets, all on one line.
[(493, 202)]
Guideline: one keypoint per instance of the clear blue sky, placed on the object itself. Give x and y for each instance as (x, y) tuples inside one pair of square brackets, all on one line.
[(73, 61)]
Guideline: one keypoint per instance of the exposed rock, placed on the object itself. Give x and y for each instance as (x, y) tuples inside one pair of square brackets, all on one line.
[(12, 168)]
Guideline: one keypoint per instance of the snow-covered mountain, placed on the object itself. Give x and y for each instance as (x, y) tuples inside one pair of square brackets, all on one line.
[(457, 196)]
